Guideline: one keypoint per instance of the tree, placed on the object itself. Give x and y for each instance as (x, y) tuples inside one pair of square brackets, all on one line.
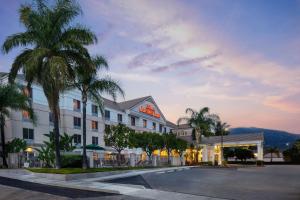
[(117, 137), (148, 141), (93, 87), (243, 154), (170, 143), (52, 48), (228, 153), (220, 129), (11, 98), (47, 151), (181, 146), (272, 150), (17, 146), (201, 121), (293, 154)]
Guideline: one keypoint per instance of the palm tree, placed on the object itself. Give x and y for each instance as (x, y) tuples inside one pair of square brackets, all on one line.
[(273, 150), (221, 129), (201, 121), (53, 46), (11, 98), (93, 87)]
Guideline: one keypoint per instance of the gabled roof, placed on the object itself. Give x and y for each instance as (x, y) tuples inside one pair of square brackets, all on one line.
[(111, 104), (184, 126), (171, 124), (233, 138), (125, 105)]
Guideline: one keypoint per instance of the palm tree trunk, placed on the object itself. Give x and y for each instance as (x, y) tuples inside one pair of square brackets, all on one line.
[(56, 116), (84, 157), (2, 121)]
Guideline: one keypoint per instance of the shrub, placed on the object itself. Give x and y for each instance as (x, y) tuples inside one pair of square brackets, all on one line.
[(260, 163), (71, 161), (208, 163)]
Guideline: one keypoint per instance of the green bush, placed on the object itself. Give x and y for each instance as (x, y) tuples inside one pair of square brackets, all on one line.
[(71, 161), (260, 163), (209, 163)]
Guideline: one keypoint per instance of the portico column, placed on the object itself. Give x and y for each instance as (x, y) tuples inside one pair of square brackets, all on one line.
[(204, 154), (260, 151)]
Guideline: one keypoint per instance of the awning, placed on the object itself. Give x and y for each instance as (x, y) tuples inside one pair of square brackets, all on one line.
[(94, 147)]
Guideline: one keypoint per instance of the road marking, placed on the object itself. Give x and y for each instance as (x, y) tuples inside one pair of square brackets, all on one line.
[(160, 172), (170, 171)]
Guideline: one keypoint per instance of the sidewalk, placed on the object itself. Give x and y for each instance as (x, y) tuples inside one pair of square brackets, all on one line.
[(94, 184)]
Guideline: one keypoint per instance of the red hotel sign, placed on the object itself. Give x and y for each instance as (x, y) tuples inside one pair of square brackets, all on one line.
[(149, 110)]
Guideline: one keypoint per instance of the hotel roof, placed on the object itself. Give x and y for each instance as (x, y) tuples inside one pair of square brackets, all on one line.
[(233, 138)]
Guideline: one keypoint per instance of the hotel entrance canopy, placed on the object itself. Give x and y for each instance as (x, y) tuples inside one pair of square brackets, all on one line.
[(211, 145)]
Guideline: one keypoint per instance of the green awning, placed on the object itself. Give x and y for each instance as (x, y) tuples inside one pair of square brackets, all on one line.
[(94, 147)]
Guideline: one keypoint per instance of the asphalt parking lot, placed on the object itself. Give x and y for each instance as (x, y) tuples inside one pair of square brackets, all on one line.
[(260, 183)]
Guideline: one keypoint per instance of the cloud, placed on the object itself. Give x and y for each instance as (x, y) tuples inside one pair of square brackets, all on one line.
[(185, 63), (288, 103)]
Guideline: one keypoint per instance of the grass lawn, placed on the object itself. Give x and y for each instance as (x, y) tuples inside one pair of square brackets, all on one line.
[(80, 170)]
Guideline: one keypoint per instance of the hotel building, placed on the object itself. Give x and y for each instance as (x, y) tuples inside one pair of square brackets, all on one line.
[(141, 114)]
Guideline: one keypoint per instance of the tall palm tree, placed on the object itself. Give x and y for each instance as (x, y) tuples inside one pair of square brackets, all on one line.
[(53, 46), (273, 150), (11, 98), (201, 121), (93, 87), (221, 129)]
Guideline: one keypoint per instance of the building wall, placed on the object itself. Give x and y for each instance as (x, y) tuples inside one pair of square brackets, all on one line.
[(16, 123)]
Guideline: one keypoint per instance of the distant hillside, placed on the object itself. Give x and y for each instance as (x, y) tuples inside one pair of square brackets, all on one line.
[(273, 138)]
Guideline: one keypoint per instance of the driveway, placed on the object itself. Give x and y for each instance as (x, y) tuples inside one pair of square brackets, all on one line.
[(265, 183)]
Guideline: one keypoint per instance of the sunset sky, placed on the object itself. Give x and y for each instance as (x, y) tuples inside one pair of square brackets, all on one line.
[(240, 58)]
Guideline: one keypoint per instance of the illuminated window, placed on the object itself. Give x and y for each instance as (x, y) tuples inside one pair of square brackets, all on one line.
[(77, 122), (94, 110), (132, 121), (25, 115), (154, 126), (94, 125), (28, 134), (95, 140), (144, 123), (27, 91), (76, 105)]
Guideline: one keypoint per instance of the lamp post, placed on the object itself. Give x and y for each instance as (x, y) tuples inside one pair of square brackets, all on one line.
[(221, 150)]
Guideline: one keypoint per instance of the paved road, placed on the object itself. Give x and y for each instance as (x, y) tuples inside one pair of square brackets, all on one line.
[(267, 183), (16, 189)]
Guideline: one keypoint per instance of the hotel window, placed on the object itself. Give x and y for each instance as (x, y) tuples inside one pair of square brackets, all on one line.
[(107, 127), (107, 114), (154, 126), (28, 134), (94, 125), (27, 92), (120, 118), (94, 110), (95, 140), (132, 121), (76, 105), (77, 122), (160, 128), (51, 118), (25, 115), (144, 123), (77, 138)]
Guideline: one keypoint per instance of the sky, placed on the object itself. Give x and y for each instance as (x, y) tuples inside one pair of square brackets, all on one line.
[(239, 58)]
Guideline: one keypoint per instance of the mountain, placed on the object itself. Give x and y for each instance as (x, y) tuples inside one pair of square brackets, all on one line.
[(274, 138)]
